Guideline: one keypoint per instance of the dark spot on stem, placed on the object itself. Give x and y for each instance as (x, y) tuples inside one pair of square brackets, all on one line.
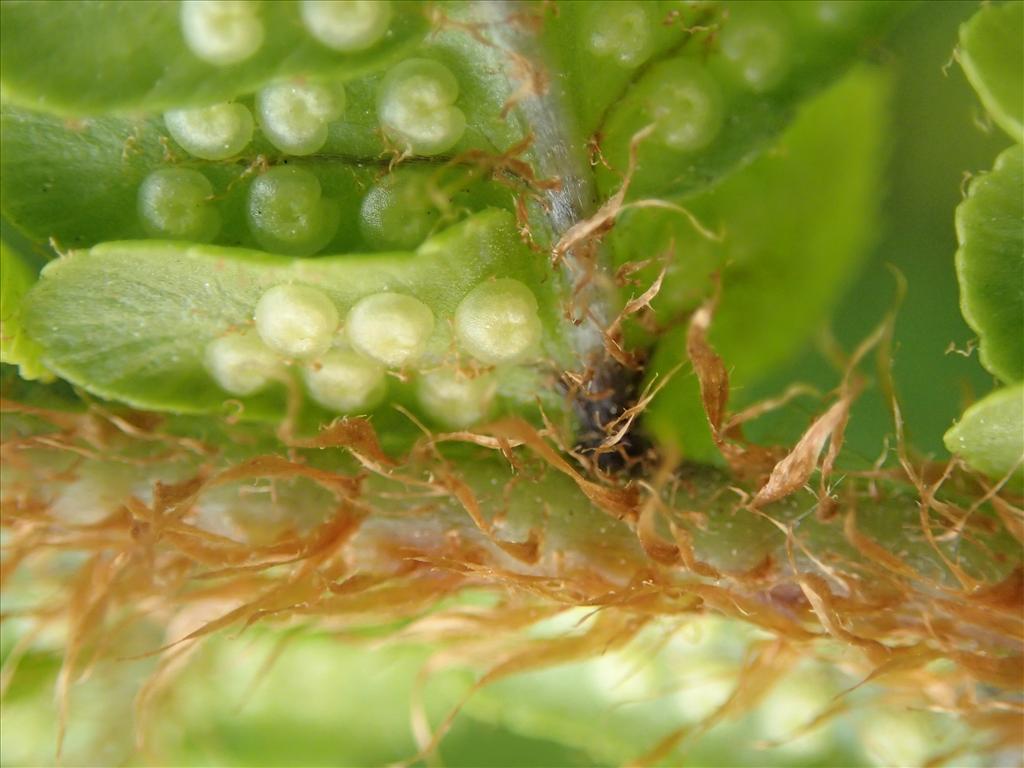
[(612, 391)]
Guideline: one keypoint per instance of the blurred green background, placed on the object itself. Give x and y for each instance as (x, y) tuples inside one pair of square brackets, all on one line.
[(319, 700), (939, 133)]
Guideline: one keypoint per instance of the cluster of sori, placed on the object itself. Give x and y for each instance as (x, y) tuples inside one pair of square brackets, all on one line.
[(687, 97), (286, 210), (415, 106), (344, 364), (226, 32), (688, 105)]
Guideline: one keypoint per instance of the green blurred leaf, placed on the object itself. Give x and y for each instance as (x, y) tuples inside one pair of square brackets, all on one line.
[(990, 264), (991, 53), (17, 275), (990, 435)]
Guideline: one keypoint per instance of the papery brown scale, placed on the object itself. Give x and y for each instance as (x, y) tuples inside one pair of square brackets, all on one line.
[(619, 502), (527, 551), (792, 472)]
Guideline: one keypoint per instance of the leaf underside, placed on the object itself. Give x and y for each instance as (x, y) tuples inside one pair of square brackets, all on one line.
[(161, 303), (82, 59)]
